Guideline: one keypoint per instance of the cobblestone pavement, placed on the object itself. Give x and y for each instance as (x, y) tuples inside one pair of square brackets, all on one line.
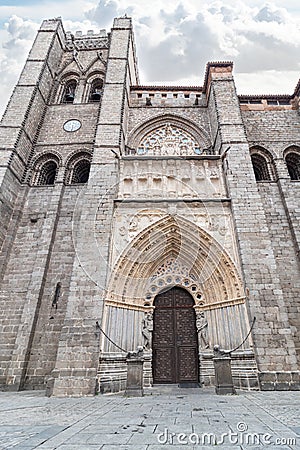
[(177, 419)]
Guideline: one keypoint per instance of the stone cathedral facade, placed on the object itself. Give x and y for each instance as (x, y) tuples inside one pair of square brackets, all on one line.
[(145, 216)]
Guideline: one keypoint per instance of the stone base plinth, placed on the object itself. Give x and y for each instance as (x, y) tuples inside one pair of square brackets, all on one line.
[(243, 367), (134, 385), (223, 376)]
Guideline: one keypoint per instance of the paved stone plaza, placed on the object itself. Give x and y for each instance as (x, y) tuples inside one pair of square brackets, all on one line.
[(174, 418)]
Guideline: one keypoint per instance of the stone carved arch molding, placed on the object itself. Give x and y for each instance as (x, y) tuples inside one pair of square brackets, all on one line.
[(39, 161), (96, 67), (95, 74), (261, 150), (66, 74), (200, 136), (196, 261), (293, 148), (173, 273), (45, 155), (74, 154), (265, 148)]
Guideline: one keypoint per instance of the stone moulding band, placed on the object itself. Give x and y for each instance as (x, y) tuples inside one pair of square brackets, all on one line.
[(221, 304), (173, 200), (132, 306), (206, 307), (204, 157)]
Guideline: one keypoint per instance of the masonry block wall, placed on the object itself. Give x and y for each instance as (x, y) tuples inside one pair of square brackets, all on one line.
[(270, 295), (78, 352), (64, 232), (19, 131), (275, 131)]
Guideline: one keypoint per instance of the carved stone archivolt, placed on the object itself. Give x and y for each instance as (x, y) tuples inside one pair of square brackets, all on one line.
[(173, 273), (130, 221), (163, 128), (174, 252)]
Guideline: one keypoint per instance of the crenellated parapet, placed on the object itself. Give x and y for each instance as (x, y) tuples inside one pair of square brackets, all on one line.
[(89, 41)]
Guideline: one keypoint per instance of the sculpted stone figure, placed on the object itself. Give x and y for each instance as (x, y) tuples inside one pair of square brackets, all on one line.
[(201, 325), (147, 330)]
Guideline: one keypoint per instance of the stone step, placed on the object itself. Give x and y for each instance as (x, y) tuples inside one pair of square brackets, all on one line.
[(172, 389)]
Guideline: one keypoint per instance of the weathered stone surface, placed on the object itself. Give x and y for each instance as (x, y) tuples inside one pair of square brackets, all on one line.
[(142, 222)]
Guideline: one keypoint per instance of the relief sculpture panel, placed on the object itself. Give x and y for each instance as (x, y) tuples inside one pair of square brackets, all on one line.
[(171, 178)]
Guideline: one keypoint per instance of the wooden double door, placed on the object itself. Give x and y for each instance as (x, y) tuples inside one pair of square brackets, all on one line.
[(175, 342)]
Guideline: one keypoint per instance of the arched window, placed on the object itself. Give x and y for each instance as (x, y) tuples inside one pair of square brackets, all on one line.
[(69, 92), (81, 170), (47, 174), (78, 168), (292, 160), (263, 164), (260, 167), (96, 90)]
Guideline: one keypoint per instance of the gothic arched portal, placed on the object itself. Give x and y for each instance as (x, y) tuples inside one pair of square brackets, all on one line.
[(175, 342), (192, 255)]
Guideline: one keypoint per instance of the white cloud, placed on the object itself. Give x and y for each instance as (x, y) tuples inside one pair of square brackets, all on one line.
[(267, 82), (17, 37), (103, 13), (257, 39), (270, 13), (47, 9), (176, 38)]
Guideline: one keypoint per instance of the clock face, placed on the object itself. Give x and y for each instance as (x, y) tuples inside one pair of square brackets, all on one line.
[(72, 125)]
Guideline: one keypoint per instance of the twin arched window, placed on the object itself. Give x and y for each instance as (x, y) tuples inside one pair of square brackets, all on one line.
[(93, 96), (263, 165), (260, 167), (96, 90), (77, 171), (46, 171)]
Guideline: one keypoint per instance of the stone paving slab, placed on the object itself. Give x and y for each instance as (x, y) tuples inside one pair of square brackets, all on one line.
[(178, 419)]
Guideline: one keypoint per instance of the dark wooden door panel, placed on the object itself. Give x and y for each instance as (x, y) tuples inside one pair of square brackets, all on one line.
[(184, 325), (175, 343), (188, 370), (164, 300), (164, 329), (164, 371)]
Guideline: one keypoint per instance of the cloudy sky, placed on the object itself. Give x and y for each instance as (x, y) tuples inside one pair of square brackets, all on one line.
[(174, 38)]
